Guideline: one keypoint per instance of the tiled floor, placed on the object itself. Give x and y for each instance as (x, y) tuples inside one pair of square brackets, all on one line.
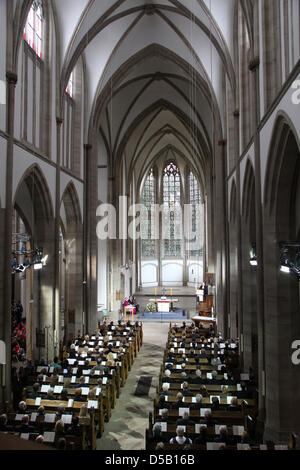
[(129, 419)]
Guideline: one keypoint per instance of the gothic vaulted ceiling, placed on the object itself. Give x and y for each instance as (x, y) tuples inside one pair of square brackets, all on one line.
[(156, 71)]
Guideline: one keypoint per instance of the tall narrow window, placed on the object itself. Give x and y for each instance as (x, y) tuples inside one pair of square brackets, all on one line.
[(148, 200), (172, 210), (70, 86), (195, 201), (33, 30)]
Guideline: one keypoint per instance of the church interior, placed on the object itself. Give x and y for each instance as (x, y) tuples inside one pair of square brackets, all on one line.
[(150, 225)]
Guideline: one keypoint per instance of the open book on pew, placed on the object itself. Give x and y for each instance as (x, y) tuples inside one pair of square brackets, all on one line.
[(245, 377), (203, 410), (24, 435), (243, 446), (37, 401), (33, 417), (45, 388), (58, 388), (164, 427), (92, 404), (85, 391), (71, 361), (19, 417), (198, 426), (214, 445), (70, 403), (49, 436), (183, 410), (238, 430), (49, 418), (217, 428), (67, 419)]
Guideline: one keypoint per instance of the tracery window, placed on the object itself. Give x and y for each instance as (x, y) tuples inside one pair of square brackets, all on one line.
[(33, 30), (172, 210), (195, 201), (148, 200)]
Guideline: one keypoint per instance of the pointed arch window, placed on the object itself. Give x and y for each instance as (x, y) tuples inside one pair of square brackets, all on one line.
[(148, 200), (33, 30), (70, 86), (196, 209), (172, 210)]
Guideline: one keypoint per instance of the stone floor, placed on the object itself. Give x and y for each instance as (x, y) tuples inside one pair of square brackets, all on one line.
[(129, 419)]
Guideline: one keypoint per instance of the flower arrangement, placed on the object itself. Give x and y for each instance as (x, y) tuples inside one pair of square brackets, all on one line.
[(151, 307)]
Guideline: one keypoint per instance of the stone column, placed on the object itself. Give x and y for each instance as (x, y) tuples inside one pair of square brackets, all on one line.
[(56, 290), (86, 264), (221, 238), (255, 100), (11, 79)]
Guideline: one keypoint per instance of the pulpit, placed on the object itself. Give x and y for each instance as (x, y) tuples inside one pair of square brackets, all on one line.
[(130, 310)]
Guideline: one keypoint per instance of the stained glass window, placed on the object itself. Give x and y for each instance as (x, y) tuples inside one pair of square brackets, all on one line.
[(195, 204), (172, 210), (33, 30), (148, 200)]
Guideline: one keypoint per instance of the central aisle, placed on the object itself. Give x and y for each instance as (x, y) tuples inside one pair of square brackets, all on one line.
[(129, 419)]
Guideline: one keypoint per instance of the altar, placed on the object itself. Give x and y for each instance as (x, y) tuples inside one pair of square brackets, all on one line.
[(164, 305)]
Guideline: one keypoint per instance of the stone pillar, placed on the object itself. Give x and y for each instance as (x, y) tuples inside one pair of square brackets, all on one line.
[(56, 290), (221, 238), (11, 79), (255, 99), (86, 263)]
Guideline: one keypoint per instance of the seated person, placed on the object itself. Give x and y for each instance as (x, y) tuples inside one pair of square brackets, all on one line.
[(60, 410), (99, 366), (74, 429), (167, 377), (81, 383), (78, 396), (35, 391), (202, 439), (198, 379), (25, 427), (224, 436), (59, 429), (165, 389), (215, 405), (157, 435), (208, 419), (234, 405), (198, 404), (50, 394), (4, 427), (162, 403), (55, 363), (185, 420), (244, 392), (179, 403), (180, 438), (164, 417), (185, 391)]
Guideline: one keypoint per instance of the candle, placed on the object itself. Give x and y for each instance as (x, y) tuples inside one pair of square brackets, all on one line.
[(155, 290), (171, 291)]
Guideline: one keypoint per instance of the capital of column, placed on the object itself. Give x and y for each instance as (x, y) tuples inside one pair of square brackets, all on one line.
[(236, 113), (59, 120), (222, 143), (11, 78), (254, 64), (87, 147)]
